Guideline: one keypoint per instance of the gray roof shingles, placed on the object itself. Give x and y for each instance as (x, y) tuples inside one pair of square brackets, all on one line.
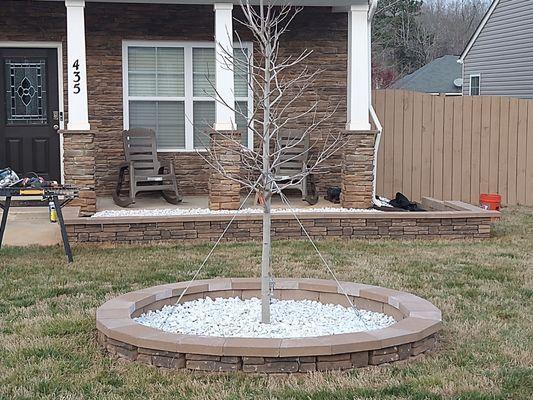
[(435, 77)]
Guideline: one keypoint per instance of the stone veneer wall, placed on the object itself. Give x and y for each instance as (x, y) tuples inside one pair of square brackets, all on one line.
[(357, 169), (303, 364), (79, 153), (225, 193), (107, 25)]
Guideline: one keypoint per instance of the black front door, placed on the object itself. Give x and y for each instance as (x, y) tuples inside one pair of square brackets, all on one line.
[(29, 112)]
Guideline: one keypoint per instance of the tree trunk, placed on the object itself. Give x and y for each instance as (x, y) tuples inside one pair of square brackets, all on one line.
[(267, 184), (265, 262)]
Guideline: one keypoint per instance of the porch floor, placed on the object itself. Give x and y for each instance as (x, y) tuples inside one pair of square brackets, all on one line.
[(150, 201)]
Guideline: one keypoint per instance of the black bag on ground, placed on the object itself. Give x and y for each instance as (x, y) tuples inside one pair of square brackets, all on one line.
[(400, 201), (333, 194)]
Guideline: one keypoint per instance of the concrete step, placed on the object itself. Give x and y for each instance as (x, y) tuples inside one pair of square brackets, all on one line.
[(27, 226)]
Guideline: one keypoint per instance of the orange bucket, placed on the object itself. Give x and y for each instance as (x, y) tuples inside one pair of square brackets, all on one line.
[(489, 201)]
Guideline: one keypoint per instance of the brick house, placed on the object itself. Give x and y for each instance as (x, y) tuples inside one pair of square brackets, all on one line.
[(75, 73)]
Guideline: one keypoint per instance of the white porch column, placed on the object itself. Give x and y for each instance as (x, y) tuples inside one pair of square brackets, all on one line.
[(358, 69), (225, 116), (78, 110)]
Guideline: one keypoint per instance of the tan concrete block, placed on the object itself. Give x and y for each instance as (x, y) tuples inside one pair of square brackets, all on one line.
[(168, 362), (404, 351), (273, 367), (334, 298), (257, 347), (253, 360), (298, 294), (207, 345), (210, 366), (385, 358), (246, 283), (318, 285), (360, 359), (126, 353), (144, 358), (307, 367), (333, 365), (423, 346), (305, 347), (367, 304), (201, 357), (353, 342), (230, 360), (386, 350), (335, 357)]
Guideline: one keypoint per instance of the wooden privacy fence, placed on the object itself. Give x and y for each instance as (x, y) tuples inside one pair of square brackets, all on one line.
[(455, 147)]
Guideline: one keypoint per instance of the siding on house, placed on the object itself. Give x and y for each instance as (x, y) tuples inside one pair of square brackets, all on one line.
[(503, 52)]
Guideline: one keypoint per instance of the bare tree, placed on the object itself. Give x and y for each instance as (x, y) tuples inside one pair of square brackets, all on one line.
[(450, 24), (280, 85), (407, 34)]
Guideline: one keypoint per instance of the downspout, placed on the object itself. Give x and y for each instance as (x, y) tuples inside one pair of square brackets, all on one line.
[(372, 11), (373, 115)]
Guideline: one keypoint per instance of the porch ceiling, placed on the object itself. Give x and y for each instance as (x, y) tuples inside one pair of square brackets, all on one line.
[(309, 3)]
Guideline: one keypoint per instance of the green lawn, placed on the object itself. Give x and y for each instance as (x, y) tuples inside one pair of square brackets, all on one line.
[(484, 288)]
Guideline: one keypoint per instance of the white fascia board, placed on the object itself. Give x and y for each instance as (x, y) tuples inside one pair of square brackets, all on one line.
[(476, 34), (308, 3)]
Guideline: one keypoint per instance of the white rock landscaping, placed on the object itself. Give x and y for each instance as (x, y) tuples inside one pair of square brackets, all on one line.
[(233, 317), (206, 211)]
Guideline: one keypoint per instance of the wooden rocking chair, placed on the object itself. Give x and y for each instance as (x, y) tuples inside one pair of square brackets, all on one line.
[(146, 173), (293, 161)]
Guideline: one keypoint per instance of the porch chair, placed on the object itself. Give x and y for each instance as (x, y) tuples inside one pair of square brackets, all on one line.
[(294, 160), (146, 172)]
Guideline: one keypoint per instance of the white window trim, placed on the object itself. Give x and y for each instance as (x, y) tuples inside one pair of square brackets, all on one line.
[(470, 83), (189, 100)]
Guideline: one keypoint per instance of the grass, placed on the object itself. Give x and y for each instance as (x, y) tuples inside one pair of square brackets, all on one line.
[(484, 288)]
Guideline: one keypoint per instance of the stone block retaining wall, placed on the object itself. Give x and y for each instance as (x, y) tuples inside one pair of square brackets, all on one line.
[(463, 222), (302, 364), (414, 332)]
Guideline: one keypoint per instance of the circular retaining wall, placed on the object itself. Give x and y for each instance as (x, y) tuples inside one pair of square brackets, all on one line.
[(414, 332)]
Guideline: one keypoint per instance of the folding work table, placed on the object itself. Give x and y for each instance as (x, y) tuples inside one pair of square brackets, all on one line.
[(47, 194)]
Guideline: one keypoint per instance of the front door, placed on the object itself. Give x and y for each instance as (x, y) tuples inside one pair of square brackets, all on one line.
[(29, 112)]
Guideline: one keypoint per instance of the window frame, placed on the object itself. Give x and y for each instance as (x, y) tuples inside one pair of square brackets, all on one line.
[(478, 76), (189, 97)]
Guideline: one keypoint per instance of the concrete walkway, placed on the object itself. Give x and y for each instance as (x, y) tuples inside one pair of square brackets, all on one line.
[(28, 226)]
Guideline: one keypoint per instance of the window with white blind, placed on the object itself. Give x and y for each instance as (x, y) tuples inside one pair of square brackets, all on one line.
[(475, 85), (168, 87)]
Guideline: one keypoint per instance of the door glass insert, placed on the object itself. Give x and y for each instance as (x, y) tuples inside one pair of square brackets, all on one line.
[(26, 94)]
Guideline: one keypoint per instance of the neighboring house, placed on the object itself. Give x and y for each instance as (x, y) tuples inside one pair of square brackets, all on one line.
[(74, 74), (440, 76), (498, 59)]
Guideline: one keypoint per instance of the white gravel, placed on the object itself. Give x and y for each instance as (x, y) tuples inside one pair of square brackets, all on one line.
[(234, 317), (206, 211)]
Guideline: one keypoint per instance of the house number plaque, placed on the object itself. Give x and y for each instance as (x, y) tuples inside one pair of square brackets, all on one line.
[(77, 76)]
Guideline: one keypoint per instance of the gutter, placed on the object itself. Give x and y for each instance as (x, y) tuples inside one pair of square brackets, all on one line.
[(373, 115), (372, 10)]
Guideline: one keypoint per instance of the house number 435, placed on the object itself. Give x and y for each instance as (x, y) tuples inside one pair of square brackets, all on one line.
[(77, 76)]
